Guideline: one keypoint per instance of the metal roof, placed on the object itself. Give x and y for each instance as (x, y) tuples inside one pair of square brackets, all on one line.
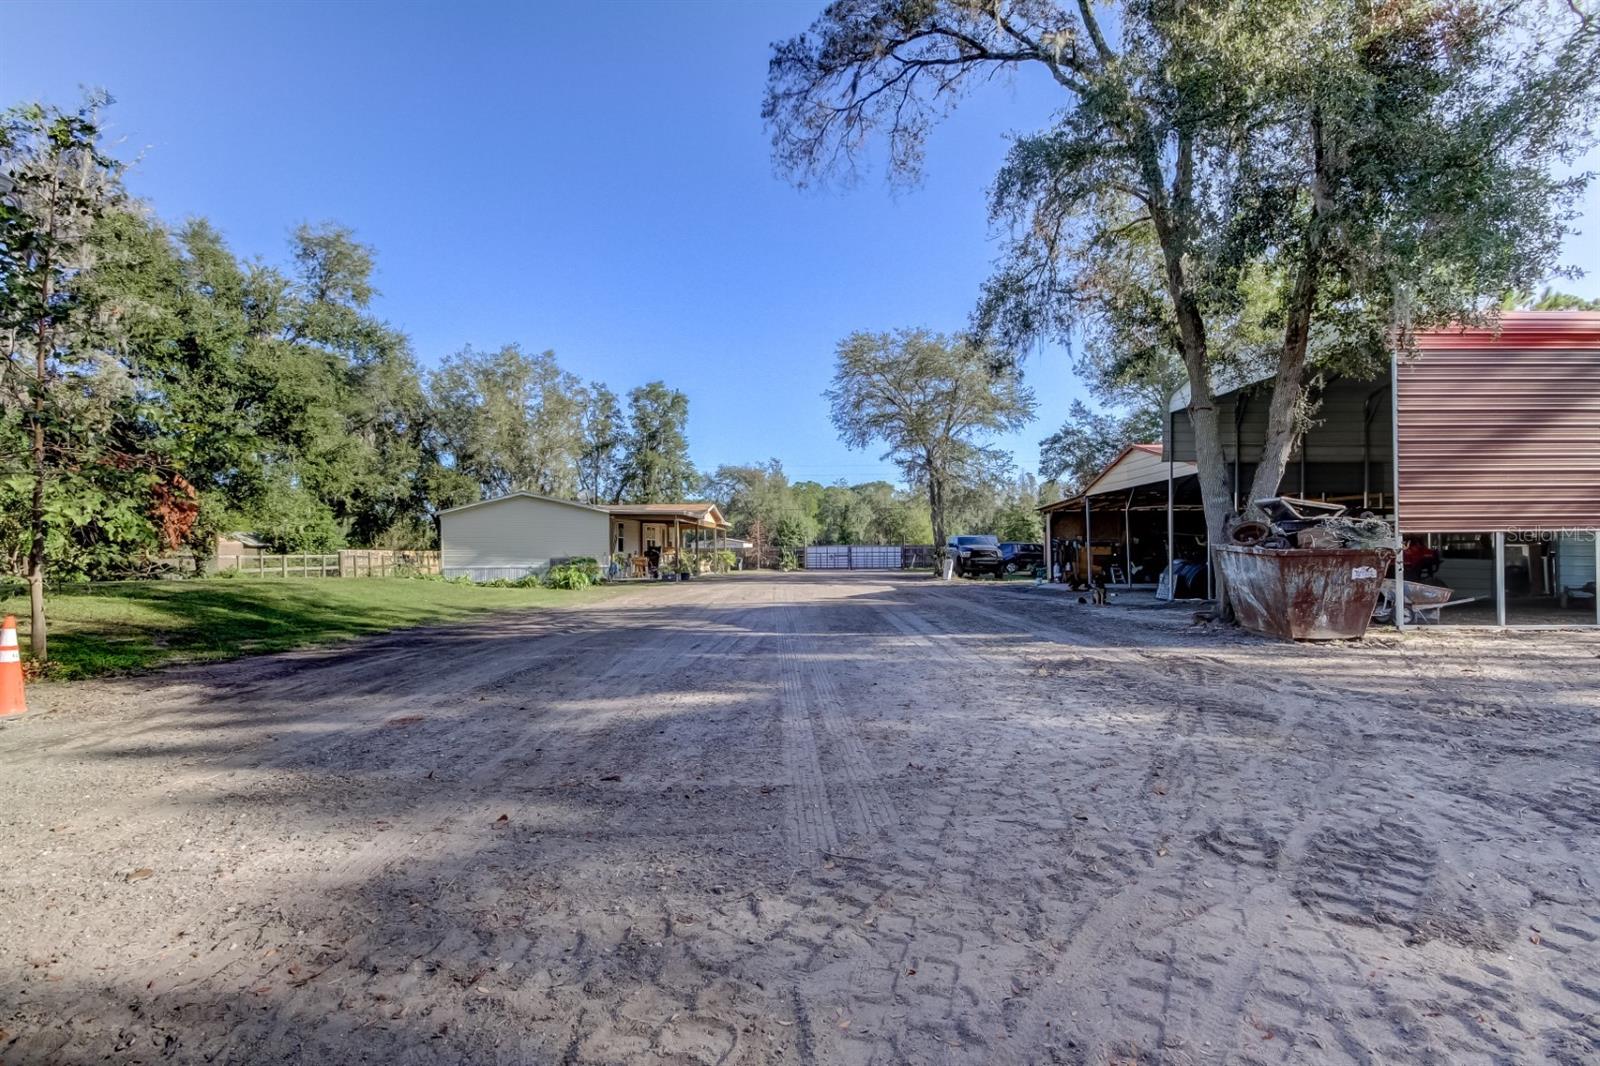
[(1135, 465), (696, 512), (526, 495)]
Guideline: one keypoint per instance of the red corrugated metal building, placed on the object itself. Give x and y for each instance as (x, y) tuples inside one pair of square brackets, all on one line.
[(1498, 440), (1500, 430)]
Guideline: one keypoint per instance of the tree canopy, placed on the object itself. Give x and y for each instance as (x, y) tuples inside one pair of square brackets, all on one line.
[(1319, 175), (933, 402), (175, 390)]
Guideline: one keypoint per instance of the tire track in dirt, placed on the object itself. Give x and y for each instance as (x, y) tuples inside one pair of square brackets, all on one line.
[(422, 839), (472, 780), (811, 827), (1095, 859), (628, 676), (171, 697), (811, 699), (1178, 995)]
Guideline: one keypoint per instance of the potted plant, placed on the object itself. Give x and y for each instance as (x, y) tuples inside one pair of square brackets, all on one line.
[(685, 569)]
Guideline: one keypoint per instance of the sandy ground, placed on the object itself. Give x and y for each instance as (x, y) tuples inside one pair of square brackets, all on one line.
[(810, 819)]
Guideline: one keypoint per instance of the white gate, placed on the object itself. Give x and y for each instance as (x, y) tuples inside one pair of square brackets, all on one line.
[(855, 557)]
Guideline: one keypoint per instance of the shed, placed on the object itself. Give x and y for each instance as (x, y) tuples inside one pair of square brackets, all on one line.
[(518, 534), (1498, 467), (1129, 522), (238, 544)]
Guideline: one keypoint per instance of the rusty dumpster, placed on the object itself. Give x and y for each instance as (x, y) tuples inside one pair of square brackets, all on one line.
[(1304, 593)]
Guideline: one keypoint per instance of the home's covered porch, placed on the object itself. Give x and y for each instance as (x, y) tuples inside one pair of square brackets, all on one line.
[(649, 538)]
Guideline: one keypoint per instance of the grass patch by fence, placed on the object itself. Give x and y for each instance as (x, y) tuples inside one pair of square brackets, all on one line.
[(133, 625)]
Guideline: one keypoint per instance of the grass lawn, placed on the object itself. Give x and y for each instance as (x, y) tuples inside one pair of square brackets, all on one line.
[(125, 626)]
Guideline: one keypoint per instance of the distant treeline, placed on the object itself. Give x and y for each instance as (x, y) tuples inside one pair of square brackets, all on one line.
[(158, 389), (187, 391)]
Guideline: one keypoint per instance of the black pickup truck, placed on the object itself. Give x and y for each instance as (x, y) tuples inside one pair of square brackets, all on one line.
[(976, 555), (1018, 557)]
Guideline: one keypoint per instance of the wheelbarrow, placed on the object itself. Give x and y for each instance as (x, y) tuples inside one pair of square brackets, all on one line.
[(1423, 603)]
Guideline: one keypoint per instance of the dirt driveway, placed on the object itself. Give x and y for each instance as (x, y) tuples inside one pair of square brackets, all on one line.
[(810, 819)]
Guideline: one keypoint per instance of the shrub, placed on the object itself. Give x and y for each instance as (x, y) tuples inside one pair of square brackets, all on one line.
[(787, 561), (725, 560), (570, 576)]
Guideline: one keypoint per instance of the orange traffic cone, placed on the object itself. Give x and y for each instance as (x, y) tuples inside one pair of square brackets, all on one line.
[(11, 701)]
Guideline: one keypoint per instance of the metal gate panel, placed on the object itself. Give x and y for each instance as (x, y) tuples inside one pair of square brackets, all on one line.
[(854, 557)]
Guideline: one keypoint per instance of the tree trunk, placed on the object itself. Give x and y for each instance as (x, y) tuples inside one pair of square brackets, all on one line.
[(36, 623), (1282, 430), (936, 512), (1211, 467), (1173, 221), (1289, 389)]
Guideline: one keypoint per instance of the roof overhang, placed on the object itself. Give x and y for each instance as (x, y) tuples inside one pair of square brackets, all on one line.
[(701, 515), (1112, 480), (522, 495)]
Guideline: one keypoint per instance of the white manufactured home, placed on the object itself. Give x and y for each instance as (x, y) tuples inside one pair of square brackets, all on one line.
[(524, 533), (520, 534)]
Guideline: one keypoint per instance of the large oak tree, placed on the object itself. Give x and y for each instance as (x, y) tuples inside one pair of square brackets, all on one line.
[(932, 401), (1338, 172)]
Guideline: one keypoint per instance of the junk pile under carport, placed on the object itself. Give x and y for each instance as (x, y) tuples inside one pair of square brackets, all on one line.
[(1304, 570)]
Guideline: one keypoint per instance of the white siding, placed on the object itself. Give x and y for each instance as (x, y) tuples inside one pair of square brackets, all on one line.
[(518, 535), (1137, 467)]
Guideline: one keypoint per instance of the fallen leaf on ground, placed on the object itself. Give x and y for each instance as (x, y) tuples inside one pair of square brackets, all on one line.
[(140, 874)]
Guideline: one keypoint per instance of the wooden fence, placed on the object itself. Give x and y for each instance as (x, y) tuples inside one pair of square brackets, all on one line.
[(357, 562)]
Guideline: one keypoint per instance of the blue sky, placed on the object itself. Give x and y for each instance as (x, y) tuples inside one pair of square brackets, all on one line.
[(589, 178)]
